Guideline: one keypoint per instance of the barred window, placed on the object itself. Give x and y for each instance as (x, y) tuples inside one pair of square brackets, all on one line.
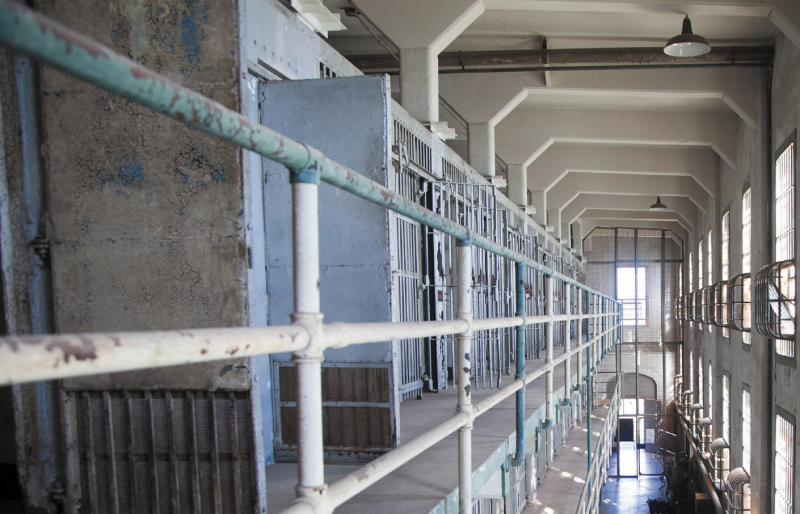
[(726, 247), (710, 414), (726, 407), (700, 382), (700, 272), (784, 465), (784, 204), (746, 235), (691, 281), (710, 260), (746, 424), (784, 221)]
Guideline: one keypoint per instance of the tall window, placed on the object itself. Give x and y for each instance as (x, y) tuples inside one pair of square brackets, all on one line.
[(784, 465), (700, 383), (710, 261), (700, 272), (632, 294), (725, 257), (700, 265), (726, 407), (746, 423), (710, 266), (691, 374), (784, 204), (746, 244), (784, 220), (691, 284), (710, 391)]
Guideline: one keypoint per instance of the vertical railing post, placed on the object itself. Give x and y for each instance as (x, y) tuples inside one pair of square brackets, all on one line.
[(305, 224), (579, 338), (549, 411), (589, 364), (464, 302), (519, 458), (567, 342)]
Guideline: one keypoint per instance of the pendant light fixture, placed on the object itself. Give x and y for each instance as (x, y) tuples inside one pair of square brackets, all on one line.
[(687, 44), (658, 206)]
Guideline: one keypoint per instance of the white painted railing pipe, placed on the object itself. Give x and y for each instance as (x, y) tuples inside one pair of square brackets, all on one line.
[(464, 312), (550, 341), (567, 341), (347, 487), (579, 336), (305, 227), (58, 356)]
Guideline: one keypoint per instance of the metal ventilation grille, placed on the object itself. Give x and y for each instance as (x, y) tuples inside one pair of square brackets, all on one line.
[(165, 452)]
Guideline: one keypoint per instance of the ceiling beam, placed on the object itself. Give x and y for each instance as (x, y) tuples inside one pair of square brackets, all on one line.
[(551, 59)]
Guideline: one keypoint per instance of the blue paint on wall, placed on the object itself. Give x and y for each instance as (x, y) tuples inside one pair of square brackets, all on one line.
[(130, 172), (192, 34)]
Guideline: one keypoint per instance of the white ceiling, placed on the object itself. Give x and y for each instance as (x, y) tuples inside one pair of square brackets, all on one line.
[(608, 100)]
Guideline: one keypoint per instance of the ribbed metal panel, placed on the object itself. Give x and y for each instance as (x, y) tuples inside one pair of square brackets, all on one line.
[(165, 451)]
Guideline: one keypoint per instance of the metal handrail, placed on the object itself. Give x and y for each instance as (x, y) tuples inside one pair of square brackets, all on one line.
[(589, 500), (55, 356)]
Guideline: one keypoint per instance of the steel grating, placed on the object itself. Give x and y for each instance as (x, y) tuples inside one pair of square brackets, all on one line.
[(165, 451)]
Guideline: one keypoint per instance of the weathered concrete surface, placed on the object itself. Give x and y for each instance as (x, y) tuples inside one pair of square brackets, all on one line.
[(145, 214)]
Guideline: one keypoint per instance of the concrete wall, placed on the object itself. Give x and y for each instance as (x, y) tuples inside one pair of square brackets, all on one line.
[(747, 364), (146, 232), (785, 120)]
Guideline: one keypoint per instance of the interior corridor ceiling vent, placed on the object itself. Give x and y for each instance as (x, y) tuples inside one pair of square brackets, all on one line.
[(658, 206), (687, 44)]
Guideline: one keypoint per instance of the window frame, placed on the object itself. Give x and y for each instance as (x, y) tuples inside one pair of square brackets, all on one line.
[(747, 420), (725, 272), (747, 236), (789, 143), (792, 421)]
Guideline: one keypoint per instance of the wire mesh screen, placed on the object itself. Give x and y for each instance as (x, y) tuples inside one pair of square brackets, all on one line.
[(641, 268), (165, 451)]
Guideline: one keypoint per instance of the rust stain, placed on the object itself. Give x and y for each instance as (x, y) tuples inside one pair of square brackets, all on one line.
[(466, 370), (86, 351), (233, 352), (203, 351), (70, 38), (467, 388)]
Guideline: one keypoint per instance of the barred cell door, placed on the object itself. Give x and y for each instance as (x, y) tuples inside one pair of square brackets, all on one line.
[(406, 251)]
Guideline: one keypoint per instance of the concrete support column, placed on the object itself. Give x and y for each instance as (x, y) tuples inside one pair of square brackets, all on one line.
[(566, 236), (481, 148), (419, 83), (577, 238), (539, 201), (554, 220), (518, 185)]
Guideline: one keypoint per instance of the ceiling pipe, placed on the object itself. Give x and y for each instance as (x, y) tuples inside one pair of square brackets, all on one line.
[(576, 59)]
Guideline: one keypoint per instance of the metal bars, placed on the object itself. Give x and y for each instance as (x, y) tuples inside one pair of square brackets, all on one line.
[(23, 30), (591, 493)]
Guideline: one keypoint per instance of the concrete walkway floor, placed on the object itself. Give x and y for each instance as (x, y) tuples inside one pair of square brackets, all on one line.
[(561, 488), (430, 480)]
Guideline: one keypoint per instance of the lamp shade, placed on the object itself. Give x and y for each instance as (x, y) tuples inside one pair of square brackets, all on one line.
[(687, 44), (658, 206)]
